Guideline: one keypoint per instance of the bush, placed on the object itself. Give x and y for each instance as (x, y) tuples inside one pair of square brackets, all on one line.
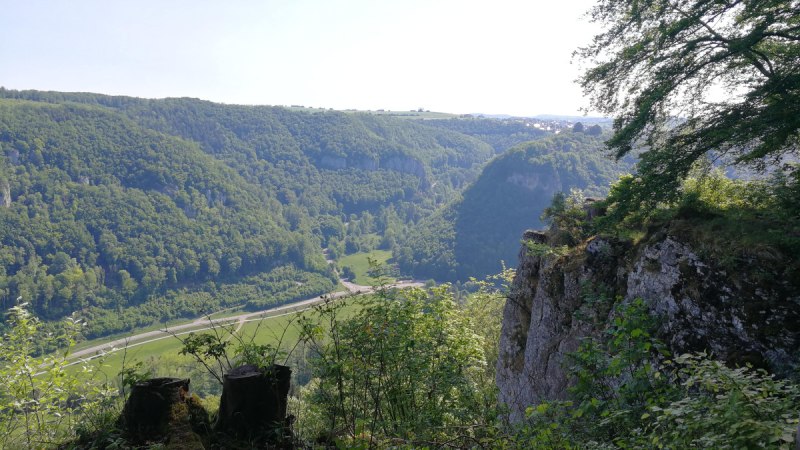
[(41, 404), (567, 218), (406, 366)]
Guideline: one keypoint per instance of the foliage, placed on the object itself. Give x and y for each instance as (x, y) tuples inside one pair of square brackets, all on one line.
[(223, 348), (500, 134), (617, 377), (485, 307), (660, 67), (359, 267), (543, 249), (725, 219), (567, 219), (107, 216), (39, 404), (407, 367), (137, 211), (725, 408)]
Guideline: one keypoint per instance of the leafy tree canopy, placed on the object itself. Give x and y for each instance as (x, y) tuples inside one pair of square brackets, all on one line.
[(729, 70)]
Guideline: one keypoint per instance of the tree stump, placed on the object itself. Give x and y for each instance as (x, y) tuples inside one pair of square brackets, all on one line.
[(253, 402), (147, 411)]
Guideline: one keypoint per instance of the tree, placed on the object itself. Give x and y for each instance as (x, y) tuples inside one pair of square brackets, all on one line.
[(348, 273), (406, 366), (689, 78)]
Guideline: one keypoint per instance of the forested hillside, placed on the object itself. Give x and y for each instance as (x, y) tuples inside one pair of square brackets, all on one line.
[(470, 236), (323, 161), (134, 211), (103, 214)]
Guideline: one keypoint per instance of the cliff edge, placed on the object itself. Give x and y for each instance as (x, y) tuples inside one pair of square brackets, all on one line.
[(741, 312)]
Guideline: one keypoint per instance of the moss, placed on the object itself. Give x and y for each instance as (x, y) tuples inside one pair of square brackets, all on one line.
[(198, 416), (181, 435)]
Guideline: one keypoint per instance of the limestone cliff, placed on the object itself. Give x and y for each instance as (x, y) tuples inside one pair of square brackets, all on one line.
[(747, 315), (5, 194)]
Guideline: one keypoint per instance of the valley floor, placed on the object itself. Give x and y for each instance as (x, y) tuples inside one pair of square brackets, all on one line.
[(204, 323)]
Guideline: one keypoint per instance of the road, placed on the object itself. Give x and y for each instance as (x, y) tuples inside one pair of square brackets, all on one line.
[(205, 323)]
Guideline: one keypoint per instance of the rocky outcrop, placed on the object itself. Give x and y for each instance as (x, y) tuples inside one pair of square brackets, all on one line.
[(734, 315), (404, 164), (532, 181), (397, 163), (5, 194), (13, 156)]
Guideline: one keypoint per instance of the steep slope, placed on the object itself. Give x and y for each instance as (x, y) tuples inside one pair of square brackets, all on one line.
[(322, 161), (470, 236), (101, 212)]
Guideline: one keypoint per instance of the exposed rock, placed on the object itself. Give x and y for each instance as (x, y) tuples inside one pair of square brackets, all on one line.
[(333, 162), (363, 163), (404, 164), (731, 315), (397, 163), (5, 190), (547, 182), (592, 208), (13, 156)]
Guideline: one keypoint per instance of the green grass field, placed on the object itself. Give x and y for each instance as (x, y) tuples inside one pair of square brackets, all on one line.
[(159, 326), (281, 329), (360, 265)]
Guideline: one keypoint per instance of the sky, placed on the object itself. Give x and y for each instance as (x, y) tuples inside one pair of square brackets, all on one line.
[(459, 56)]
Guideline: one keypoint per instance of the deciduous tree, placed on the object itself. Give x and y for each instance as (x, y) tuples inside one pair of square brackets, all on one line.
[(687, 78)]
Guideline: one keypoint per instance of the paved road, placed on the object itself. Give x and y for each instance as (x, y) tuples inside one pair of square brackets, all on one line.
[(204, 323)]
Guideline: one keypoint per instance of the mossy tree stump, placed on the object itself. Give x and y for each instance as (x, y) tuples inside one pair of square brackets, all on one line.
[(147, 412)]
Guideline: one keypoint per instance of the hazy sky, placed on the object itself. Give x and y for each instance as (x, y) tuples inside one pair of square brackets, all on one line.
[(461, 56)]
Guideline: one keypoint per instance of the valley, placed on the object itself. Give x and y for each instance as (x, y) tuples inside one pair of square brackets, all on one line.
[(132, 212), (384, 262)]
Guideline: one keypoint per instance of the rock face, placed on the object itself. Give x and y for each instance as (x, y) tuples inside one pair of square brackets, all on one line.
[(5, 194), (734, 315), (397, 163), (547, 182)]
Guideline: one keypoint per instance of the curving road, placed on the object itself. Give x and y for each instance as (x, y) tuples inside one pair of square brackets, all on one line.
[(205, 323)]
